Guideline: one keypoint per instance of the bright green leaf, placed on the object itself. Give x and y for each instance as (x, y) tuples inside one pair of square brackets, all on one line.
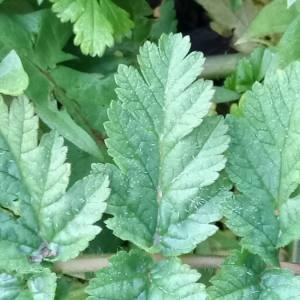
[(249, 70), (96, 23), (135, 276), (168, 152), (13, 78)]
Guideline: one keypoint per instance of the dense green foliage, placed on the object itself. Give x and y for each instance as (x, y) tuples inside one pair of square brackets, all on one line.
[(118, 146)]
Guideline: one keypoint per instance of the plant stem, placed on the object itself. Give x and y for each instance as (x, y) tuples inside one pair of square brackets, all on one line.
[(296, 252), (220, 66), (94, 263)]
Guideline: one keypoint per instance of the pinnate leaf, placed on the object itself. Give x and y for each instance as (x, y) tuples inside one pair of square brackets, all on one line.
[(134, 275), (243, 277), (96, 23), (263, 162), (168, 152), (53, 223)]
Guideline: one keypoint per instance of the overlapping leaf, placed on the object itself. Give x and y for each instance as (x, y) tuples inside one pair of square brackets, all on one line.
[(243, 277), (38, 285), (168, 152), (96, 23), (13, 78), (264, 163), (135, 276), (249, 70), (34, 37), (53, 223)]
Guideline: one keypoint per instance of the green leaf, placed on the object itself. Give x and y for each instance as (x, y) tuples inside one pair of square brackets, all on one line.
[(167, 152), (289, 221), (134, 275), (166, 23), (9, 288), (243, 277), (31, 36), (223, 95), (235, 4), (256, 223), (96, 23), (288, 47), (53, 223), (91, 93), (36, 286), (280, 284), (272, 18), (290, 3), (249, 70), (228, 22), (238, 278), (13, 78), (18, 135), (273, 168), (265, 166)]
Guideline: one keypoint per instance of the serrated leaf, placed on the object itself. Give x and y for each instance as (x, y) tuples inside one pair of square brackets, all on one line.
[(13, 78), (71, 234), (243, 277), (256, 223), (168, 152), (18, 135), (36, 286), (96, 23), (53, 223), (134, 275), (280, 284), (238, 278), (263, 165), (31, 36), (249, 70)]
